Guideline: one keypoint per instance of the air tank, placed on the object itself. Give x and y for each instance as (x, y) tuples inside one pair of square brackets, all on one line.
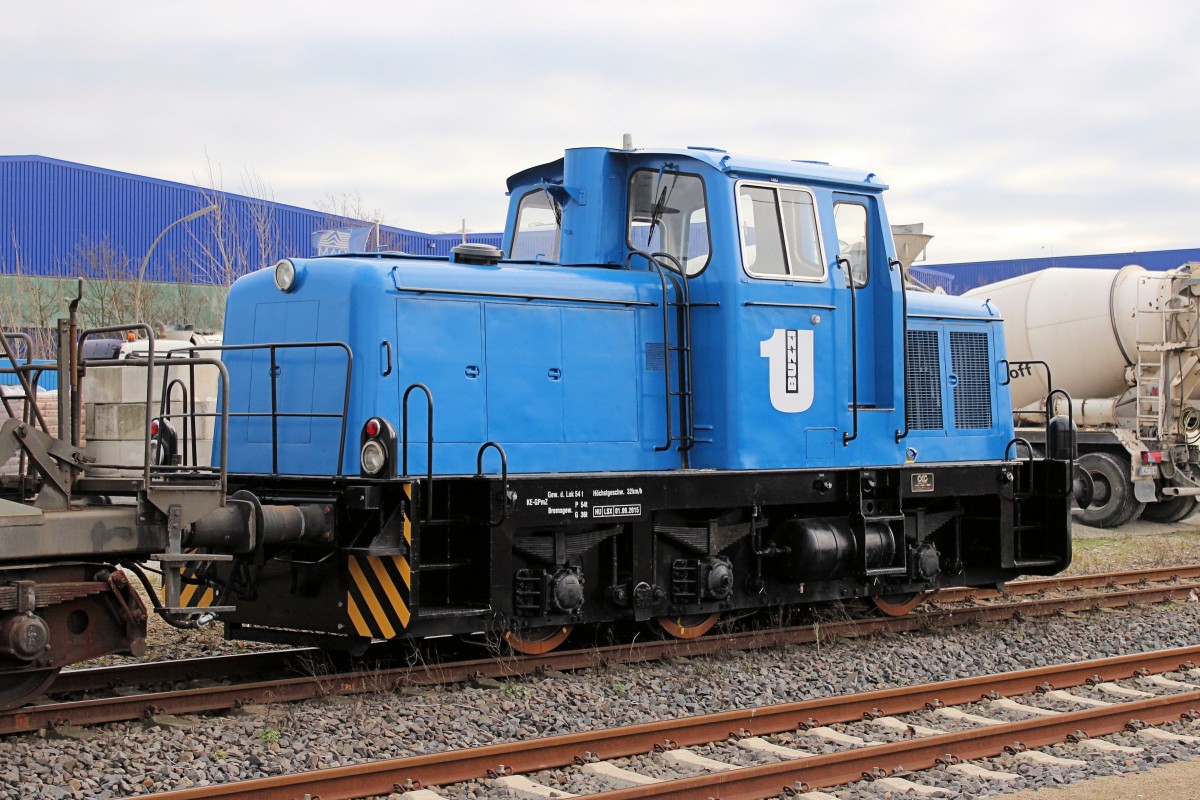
[(1082, 322)]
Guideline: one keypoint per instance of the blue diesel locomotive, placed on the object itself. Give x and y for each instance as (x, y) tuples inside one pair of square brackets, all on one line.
[(695, 387)]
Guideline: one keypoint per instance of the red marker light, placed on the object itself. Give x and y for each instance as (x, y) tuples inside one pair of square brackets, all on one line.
[(372, 427), (1152, 457), (154, 427)]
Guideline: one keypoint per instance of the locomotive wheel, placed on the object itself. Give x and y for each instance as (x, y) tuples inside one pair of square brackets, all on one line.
[(897, 605), (687, 627), (536, 641), (1113, 503), (1173, 509), (17, 689)]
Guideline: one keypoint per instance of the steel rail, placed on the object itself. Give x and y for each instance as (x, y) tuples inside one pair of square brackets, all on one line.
[(99, 678), (90, 679), (215, 698), (456, 766), (1070, 583), (769, 780)]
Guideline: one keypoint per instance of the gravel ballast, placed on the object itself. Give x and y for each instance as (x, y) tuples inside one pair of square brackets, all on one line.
[(127, 759)]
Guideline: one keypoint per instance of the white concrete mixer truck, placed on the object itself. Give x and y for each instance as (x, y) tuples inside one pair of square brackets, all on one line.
[(1125, 345)]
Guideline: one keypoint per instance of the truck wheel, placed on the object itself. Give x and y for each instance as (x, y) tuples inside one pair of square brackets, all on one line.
[(1113, 503), (1172, 509)]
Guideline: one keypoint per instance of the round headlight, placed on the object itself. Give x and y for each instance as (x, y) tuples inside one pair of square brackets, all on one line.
[(373, 457), (285, 275)]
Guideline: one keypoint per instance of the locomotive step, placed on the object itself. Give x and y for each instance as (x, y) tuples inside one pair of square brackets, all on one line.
[(187, 611), (442, 612), (1034, 562), (188, 558)]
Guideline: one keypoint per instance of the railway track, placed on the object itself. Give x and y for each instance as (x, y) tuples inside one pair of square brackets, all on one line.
[(303, 659), (311, 676), (781, 732)]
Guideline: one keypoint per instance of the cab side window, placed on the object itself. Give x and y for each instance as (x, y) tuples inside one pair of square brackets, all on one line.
[(779, 232), (851, 222), (539, 228)]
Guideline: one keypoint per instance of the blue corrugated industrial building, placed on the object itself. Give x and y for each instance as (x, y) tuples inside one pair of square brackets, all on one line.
[(52, 210), (967, 275)]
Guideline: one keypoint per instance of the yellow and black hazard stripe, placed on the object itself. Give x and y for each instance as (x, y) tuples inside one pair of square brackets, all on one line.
[(192, 593), (377, 595), (378, 589)]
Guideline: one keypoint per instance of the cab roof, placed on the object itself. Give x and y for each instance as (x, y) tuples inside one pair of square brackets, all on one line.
[(729, 163)]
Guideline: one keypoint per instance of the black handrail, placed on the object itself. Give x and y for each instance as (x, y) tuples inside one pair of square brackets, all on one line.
[(901, 435), (847, 438), (1018, 493), (1029, 362), (687, 433), (666, 325), (275, 414), (1050, 408), (503, 479), (428, 445), (164, 412), (687, 428)]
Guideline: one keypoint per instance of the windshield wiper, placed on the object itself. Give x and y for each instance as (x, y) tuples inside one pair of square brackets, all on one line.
[(660, 205)]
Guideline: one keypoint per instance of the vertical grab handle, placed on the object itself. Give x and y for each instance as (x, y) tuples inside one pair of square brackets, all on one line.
[(385, 358), (429, 445), (901, 435), (666, 327), (503, 479), (847, 438)]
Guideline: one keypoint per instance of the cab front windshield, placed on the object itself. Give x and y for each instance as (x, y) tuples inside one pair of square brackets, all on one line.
[(667, 214)]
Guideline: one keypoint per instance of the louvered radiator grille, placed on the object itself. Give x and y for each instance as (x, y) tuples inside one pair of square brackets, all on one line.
[(923, 382), (973, 394)]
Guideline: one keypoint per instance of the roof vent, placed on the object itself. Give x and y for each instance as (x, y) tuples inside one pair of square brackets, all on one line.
[(476, 253)]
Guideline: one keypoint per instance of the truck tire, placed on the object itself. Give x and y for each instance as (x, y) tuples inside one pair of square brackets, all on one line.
[(1171, 509), (1113, 503)]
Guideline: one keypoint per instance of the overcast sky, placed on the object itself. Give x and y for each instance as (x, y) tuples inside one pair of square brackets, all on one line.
[(1011, 129)]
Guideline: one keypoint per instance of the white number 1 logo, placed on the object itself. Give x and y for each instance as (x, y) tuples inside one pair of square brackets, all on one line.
[(790, 355)]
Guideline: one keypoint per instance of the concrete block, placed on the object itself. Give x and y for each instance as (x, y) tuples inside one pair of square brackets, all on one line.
[(1122, 691), (607, 770), (778, 750), (904, 786), (1038, 757), (1067, 697), (830, 735), (1105, 746), (1165, 736), (519, 784), (963, 716), (901, 725), (684, 756), (127, 384), (1167, 683), (975, 771), (1021, 708)]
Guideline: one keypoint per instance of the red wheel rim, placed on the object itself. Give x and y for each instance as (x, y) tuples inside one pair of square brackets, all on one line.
[(537, 641), (691, 627), (897, 605)]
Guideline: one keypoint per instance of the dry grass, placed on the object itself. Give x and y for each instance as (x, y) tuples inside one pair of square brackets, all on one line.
[(1139, 545)]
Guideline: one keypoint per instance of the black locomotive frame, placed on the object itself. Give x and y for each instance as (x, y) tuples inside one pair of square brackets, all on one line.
[(529, 552)]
